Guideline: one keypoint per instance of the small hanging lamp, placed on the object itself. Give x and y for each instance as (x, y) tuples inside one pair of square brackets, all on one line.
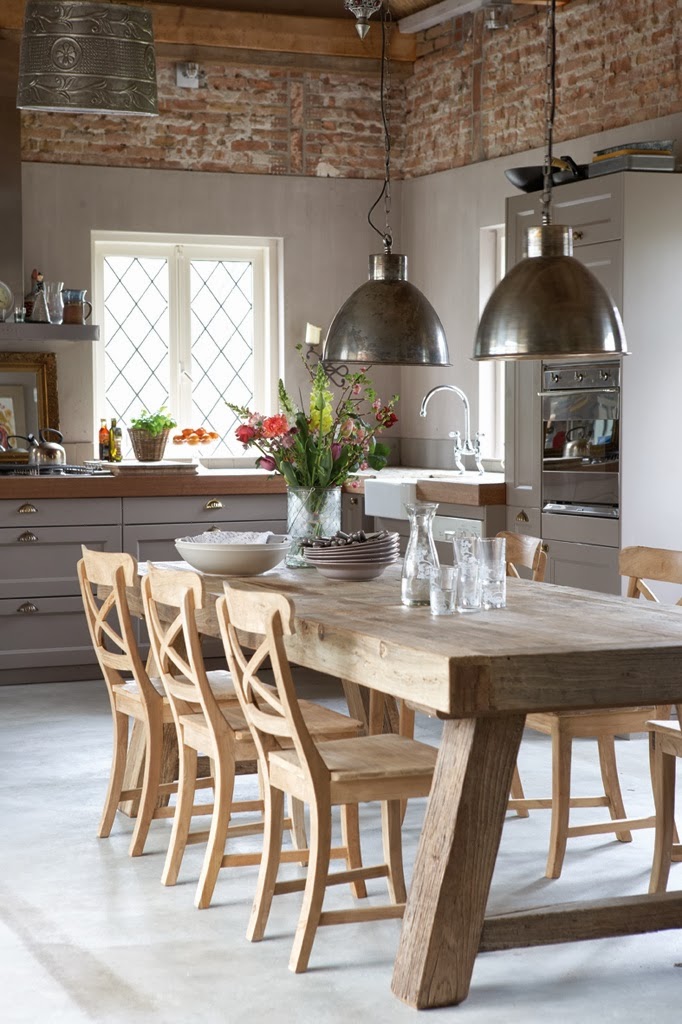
[(363, 11), (387, 319), (87, 57), (549, 306)]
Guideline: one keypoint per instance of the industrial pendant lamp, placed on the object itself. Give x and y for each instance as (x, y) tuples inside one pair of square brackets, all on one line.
[(83, 57), (549, 306), (386, 320)]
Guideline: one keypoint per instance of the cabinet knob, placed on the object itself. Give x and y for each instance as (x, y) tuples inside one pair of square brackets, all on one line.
[(578, 236), (27, 608), (27, 537), (26, 508), (213, 504), (213, 529), (521, 517), (354, 500)]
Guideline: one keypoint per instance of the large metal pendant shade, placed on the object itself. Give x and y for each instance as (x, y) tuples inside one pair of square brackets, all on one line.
[(387, 320), (549, 306), (87, 57)]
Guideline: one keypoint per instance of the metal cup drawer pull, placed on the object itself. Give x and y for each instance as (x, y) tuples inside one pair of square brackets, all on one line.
[(522, 517), (26, 508), (27, 537), (214, 503), (27, 608)]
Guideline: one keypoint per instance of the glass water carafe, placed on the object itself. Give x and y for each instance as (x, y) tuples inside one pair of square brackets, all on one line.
[(421, 557)]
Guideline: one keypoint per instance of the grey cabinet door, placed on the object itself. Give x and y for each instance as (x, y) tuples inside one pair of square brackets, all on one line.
[(523, 434), (353, 513), (43, 632), (40, 561), (589, 566)]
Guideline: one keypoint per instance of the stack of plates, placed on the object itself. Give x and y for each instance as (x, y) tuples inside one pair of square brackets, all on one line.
[(355, 559)]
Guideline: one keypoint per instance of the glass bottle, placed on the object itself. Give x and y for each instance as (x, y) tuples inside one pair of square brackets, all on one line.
[(421, 556), (115, 439), (104, 441)]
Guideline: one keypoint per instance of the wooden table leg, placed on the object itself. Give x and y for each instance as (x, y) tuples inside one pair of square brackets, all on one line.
[(377, 711), (446, 906), (135, 764)]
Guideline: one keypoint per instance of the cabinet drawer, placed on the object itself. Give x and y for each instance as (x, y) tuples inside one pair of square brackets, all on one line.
[(155, 543), (205, 508), (44, 562), (524, 520), (53, 634), (58, 511)]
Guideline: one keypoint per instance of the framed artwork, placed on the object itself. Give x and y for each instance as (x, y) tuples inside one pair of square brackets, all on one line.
[(12, 408)]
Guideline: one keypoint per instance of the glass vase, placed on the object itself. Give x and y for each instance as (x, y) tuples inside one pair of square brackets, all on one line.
[(311, 512), (421, 557)]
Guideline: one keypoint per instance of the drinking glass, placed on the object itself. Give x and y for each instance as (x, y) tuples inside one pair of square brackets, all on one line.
[(468, 587), (443, 590), (55, 300), (463, 544), (19, 314), (491, 553)]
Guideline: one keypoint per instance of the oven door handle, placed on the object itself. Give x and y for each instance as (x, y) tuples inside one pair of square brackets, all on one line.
[(578, 391)]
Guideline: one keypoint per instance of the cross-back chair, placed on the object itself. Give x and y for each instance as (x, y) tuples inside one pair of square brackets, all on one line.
[(203, 725), (386, 768), (638, 564), (140, 698)]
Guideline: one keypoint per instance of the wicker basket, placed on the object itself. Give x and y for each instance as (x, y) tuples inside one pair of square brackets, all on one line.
[(148, 447)]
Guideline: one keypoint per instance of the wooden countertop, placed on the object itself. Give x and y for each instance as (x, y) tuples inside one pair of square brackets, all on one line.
[(432, 485), (207, 483)]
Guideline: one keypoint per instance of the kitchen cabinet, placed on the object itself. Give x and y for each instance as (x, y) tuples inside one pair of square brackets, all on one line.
[(353, 516), (589, 566), (43, 633), (151, 525), (626, 230)]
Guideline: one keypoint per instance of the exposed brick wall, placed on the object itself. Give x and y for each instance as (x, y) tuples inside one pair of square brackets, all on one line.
[(477, 94), (474, 94), (246, 119)]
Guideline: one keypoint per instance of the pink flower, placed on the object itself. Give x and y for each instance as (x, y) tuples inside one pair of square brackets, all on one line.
[(288, 439), (356, 389), (364, 465), (245, 434), (336, 451), (347, 428), (386, 417), (376, 404), (267, 463), (275, 426)]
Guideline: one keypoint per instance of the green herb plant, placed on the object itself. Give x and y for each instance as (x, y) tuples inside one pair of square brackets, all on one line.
[(153, 422)]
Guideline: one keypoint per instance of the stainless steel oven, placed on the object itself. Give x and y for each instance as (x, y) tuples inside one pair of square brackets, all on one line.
[(581, 439)]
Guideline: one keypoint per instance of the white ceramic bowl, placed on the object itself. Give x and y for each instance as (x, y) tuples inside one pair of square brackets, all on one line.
[(234, 559)]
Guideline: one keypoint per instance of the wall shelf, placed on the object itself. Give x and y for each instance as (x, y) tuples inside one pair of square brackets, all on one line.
[(20, 334)]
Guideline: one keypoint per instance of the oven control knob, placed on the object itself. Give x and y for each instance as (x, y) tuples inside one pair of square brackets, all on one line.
[(579, 376), (604, 375), (556, 377)]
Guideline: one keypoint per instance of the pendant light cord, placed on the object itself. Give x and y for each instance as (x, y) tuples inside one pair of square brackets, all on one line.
[(385, 194), (550, 107)]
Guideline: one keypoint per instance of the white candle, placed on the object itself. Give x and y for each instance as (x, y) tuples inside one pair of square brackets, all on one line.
[(312, 334)]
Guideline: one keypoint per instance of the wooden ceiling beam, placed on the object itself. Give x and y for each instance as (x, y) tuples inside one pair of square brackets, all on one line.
[(275, 33)]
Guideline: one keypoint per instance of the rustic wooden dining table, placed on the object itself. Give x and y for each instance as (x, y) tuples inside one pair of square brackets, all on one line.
[(551, 649)]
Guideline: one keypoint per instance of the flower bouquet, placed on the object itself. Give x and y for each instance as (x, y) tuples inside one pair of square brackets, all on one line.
[(318, 451)]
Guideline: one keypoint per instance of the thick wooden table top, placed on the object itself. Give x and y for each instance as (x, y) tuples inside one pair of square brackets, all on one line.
[(551, 648)]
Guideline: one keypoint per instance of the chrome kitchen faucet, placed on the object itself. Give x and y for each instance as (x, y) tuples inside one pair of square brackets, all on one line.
[(466, 447)]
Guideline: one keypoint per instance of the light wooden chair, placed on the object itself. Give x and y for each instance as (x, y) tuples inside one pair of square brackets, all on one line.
[(219, 731), (387, 768), (665, 744), (140, 698), (638, 564)]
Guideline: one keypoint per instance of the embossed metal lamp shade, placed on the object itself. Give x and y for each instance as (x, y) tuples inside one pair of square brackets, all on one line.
[(84, 57), (387, 320), (549, 306)]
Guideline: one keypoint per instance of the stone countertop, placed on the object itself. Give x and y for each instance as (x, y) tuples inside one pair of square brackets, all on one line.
[(432, 485)]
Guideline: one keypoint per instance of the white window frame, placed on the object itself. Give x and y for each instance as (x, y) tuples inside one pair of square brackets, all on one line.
[(491, 386), (266, 256)]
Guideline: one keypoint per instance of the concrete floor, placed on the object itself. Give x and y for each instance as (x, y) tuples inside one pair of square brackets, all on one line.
[(87, 934)]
